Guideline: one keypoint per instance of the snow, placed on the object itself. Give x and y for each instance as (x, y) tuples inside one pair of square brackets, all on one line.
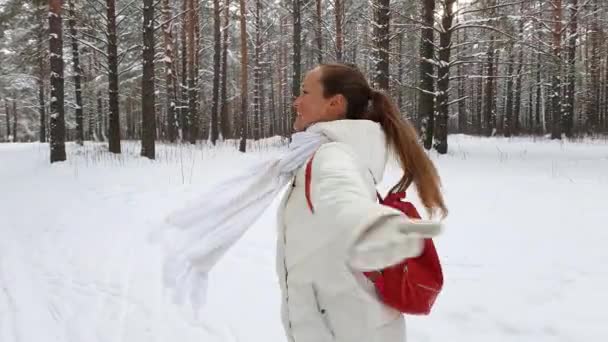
[(523, 249)]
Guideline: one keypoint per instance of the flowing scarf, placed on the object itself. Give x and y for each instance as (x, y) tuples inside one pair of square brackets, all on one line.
[(203, 231)]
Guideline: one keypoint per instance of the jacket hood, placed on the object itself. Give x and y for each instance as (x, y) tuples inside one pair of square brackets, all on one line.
[(365, 137)]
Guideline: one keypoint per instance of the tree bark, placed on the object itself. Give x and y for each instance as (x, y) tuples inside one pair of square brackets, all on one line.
[(8, 120), (490, 115), (508, 124), (556, 83), (184, 107), (462, 104), (381, 30), (42, 35), (244, 61), (170, 74), (192, 72), (480, 101), (15, 115), (400, 72), (257, 75), (41, 96), (100, 127), (272, 130), (443, 82), (129, 117), (427, 86), (148, 97), (594, 70), (518, 83), (339, 13), (538, 128), (568, 118), (224, 120), (114, 128), (57, 117), (77, 74), (297, 48), (217, 51), (318, 30)]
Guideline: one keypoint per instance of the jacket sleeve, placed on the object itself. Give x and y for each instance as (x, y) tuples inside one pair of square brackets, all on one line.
[(375, 236)]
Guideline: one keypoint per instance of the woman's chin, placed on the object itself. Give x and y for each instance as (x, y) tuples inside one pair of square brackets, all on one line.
[(299, 124)]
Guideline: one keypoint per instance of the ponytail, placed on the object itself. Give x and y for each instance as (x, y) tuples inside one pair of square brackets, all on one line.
[(416, 164), (350, 82)]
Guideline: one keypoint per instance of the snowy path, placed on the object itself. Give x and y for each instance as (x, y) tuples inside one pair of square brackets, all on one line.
[(524, 249)]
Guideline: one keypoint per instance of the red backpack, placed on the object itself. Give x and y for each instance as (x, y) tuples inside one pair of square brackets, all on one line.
[(412, 285)]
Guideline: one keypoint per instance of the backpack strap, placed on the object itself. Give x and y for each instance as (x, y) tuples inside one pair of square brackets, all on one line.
[(307, 181)]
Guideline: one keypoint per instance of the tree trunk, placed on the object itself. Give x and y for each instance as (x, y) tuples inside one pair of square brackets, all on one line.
[(257, 75), (224, 120), (339, 12), (480, 101), (518, 83), (8, 120), (114, 129), (129, 117), (508, 124), (462, 103), (57, 122), (202, 123), (100, 114), (400, 72), (381, 41), (217, 51), (427, 86), (90, 96), (297, 48), (77, 74), (243, 124), (148, 112), (184, 107), (41, 110), (273, 119), (593, 98), (538, 128), (170, 75), (42, 34), (605, 95), (490, 115), (15, 135), (556, 83), (281, 83), (263, 111), (443, 81), (192, 72), (568, 116), (318, 30)]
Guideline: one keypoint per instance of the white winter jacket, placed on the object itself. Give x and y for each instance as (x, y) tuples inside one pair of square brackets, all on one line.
[(321, 255)]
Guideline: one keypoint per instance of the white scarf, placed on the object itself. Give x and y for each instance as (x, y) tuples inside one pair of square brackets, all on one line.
[(207, 228)]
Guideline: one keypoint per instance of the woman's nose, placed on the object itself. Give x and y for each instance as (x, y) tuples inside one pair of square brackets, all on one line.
[(296, 102)]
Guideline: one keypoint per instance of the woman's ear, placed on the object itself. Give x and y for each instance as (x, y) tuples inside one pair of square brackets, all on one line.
[(338, 104)]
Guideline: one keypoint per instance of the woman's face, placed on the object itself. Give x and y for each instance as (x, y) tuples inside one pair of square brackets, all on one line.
[(312, 107)]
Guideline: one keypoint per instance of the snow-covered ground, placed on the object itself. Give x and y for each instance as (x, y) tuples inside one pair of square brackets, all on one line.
[(524, 250)]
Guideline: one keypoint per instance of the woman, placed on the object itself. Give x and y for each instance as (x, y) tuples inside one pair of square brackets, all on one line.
[(321, 255)]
